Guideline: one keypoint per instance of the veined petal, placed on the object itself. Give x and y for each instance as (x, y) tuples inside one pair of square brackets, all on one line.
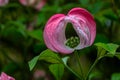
[(49, 29), (60, 39), (54, 34), (79, 28), (88, 20), (85, 26)]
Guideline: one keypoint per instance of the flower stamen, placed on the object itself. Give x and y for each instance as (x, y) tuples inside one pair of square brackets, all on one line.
[(72, 42)]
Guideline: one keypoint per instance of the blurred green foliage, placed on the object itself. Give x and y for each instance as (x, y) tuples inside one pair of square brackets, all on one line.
[(21, 37)]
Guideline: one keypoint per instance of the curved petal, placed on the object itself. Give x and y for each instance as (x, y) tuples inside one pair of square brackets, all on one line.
[(84, 25), (79, 30), (54, 34)]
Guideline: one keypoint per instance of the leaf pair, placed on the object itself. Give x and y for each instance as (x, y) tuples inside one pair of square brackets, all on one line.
[(110, 48), (57, 68)]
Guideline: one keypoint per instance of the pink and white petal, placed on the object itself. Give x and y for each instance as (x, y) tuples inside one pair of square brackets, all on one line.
[(47, 41), (84, 38), (49, 29), (55, 33), (87, 18), (60, 39)]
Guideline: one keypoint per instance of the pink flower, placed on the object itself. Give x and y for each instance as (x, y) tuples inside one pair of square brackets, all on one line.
[(37, 4), (3, 2), (5, 77), (83, 23)]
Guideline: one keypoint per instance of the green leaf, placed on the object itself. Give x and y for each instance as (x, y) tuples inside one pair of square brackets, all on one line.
[(46, 55), (37, 34), (110, 47), (50, 56), (65, 59), (33, 62), (115, 76), (101, 52), (95, 74), (57, 70)]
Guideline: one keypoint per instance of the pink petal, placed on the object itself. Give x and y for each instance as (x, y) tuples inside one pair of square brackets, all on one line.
[(54, 34), (5, 77), (79, 29), (86, 19)]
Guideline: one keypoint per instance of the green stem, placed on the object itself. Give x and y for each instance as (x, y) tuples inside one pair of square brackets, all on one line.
[(73, 72), (91, 68), (64, 60), (78, 59)]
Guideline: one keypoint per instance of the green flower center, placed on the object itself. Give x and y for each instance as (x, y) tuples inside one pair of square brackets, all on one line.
[(72, 42), (72, 38)]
